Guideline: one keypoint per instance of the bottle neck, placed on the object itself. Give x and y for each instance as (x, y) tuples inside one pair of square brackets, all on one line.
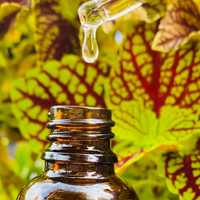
[(79, 144), (79, 153)]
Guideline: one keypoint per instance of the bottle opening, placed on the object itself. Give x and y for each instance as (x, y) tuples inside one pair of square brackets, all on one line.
[(79, 116), (79, 135)]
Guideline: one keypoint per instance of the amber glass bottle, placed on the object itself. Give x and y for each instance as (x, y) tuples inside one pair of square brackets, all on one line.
[(79, 164)]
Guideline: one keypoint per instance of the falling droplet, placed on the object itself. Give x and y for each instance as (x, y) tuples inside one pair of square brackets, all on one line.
[(90, 49), (90, 19), (93, 13)]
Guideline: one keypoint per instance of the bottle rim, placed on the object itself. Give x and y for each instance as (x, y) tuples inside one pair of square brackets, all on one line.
[(75, 116)]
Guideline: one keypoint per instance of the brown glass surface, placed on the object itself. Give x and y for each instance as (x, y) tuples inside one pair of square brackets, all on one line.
[(79, 164)]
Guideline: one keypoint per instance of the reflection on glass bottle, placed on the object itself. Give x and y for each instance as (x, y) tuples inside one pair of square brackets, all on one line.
[(93, 13), (79, 164)]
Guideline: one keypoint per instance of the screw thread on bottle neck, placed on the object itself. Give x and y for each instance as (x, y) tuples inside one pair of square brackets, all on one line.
[(79, 142)]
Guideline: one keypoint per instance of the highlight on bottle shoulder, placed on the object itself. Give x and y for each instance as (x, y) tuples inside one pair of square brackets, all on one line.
[(93, 13)]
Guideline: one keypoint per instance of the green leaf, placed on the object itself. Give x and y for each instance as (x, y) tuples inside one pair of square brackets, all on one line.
[(68, 9), (3, 61), (23, 158)]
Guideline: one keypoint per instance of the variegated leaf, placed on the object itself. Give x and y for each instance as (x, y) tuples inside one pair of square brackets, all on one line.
[(8, 13), (24, 3), (69, 9), (150, 11), (127, 157), (143, 176), (55, 35), (154, 96), (183, 175), (6, 114), (181, 22), (70, 81)]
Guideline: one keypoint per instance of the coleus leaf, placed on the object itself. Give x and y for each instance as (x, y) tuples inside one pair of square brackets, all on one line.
[(150, 11), (68, 9), (154, 96), (182, 22), (70, 81), (6, 115), (183, 174), (55, 35), (143, 176), (8, 12), (25, 3), (126, 158)]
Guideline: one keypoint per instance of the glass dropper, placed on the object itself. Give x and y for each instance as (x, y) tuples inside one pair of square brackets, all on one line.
[(93, 13)]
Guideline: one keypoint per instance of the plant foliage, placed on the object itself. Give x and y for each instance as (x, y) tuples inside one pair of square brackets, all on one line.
[(150, 80)]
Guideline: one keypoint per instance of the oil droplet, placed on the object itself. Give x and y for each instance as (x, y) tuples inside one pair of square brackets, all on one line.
[(90, 49), (90, 19), (93, 13)]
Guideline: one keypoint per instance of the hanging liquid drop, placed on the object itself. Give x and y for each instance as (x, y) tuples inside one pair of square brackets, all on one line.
[(93, 13), (90, 49), (90, 19)]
